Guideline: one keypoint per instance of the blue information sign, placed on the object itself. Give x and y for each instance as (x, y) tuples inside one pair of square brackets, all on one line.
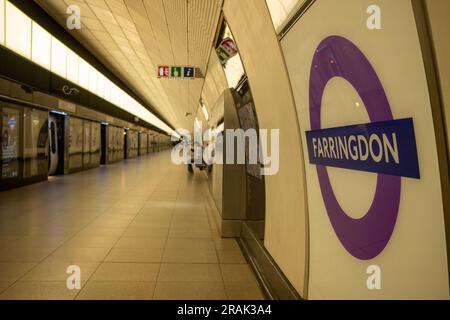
[(189, 72), (387, 147)]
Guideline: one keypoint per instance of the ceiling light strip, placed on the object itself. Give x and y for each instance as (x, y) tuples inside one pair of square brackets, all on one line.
[(23, 45)]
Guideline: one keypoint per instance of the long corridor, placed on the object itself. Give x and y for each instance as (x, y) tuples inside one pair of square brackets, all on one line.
[(138, 229)]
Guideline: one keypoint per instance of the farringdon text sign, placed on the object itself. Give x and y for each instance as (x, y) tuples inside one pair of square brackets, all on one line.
[(387, 147)]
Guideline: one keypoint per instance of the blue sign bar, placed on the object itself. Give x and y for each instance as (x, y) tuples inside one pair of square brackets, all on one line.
[(189, 72), (387, 147)]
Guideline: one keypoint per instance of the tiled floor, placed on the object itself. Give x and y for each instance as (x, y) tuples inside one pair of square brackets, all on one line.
[(138, 229)]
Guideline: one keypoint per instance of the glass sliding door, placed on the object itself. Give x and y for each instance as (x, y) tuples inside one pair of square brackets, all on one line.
[(11, 143), (35, 130), (76, 135)]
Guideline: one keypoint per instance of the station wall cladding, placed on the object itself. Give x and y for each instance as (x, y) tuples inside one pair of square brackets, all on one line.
[(286, 227), (374, 202)]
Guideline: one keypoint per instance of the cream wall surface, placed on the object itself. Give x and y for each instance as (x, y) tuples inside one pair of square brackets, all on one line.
[(215, 84), (439, 11), (286, 220)]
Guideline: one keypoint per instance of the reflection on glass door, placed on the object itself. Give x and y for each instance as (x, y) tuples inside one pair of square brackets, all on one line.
[(87, 143), (76, 135), (10, 142), (35, 130), (53, 144)]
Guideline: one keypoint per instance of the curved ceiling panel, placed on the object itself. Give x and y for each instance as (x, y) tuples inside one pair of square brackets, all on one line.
[(133, 37)]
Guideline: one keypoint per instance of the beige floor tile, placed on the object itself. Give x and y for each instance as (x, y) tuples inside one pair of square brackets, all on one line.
[(38, 242), (243, 291), (165, 209), (56, 271), (117, 290), (126, 207), (190, 233), (189, 197), (168, 198), (77, 213), (102, 232), (231, 256), (189, 225), (237, 273), (6, 241), (141, 243), (195, 213), (120, 224), (128, 202), (190, 243), (13, 271), (189, 273), (146, 232), (127, 272), (144, 211), (91, 242), (73, 255), (150, 224), (4, 285), (38, 291), (24, 254), (134, 255), (190, 291), (143, 193), (190, 256), (64, 222), (15, 231), (189, 218), (227, 244), (121, 209), (89, 204), (120, 213), (153, 218), (197, 206), (163, 199), (105, 218), (55, 231)]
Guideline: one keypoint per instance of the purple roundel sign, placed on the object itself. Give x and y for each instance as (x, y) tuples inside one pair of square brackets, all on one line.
[(367, 237)]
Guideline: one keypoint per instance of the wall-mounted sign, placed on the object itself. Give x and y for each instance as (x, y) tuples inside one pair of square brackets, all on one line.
[(367, 126), (387, 147), (384, 146), (176, 72), (189, 72), (227, 50), (163, 72)]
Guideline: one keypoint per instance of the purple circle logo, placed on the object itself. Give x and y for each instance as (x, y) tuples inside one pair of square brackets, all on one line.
[(367, 237)]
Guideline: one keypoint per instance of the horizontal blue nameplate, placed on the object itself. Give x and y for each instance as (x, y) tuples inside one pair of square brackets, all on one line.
[(387, 147)]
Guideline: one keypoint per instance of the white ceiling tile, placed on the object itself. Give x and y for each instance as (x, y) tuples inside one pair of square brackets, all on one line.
[(133, 37)]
